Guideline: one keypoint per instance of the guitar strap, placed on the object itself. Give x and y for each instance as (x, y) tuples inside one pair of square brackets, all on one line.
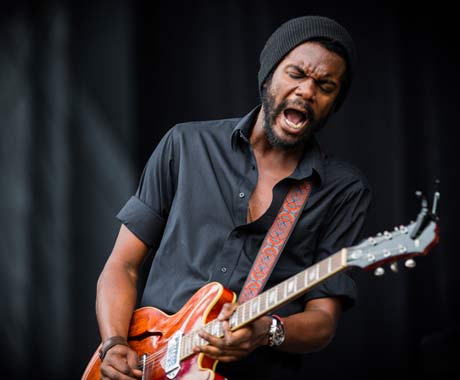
[(276, 239)]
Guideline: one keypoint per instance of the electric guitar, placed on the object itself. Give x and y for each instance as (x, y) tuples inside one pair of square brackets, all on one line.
[(164, 342)]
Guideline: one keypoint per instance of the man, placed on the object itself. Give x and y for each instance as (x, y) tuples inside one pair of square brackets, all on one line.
[(210, 192)]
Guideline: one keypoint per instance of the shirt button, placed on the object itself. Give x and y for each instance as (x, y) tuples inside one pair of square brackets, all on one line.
[(241, 195), (223, 269)]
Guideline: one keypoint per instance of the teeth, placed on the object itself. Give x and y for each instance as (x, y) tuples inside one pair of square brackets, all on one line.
[(292, 125)]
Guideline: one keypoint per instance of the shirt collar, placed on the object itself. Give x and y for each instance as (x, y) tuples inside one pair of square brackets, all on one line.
[(244, 126), (311, 161)]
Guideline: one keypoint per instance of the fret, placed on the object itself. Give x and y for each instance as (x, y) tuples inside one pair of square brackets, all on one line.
[(269, 300), (290, 287), (195, 339), (254, 307), (233, 320), (184, 346), (240, 311), (215, 328), (262, 306), (322, 269), (298, 281), (272, 297), (188, 344), (220, 329), (246, 311)]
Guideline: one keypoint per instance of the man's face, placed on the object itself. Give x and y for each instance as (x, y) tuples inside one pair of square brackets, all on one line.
[(300, 95)]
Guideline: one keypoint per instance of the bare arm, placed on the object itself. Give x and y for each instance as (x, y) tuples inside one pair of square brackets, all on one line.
[(308, 331), (115, 302), (314, 328)]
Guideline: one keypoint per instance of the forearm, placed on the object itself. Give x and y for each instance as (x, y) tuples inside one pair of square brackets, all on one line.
[(116, 299), (308, 331)]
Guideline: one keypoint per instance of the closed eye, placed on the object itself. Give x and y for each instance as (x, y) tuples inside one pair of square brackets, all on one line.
[(296, 75)]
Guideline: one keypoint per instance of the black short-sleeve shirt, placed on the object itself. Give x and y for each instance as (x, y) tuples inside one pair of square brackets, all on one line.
[(191, 207)]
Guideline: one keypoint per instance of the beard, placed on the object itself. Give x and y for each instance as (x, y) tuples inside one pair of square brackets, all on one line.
[(273, 111)]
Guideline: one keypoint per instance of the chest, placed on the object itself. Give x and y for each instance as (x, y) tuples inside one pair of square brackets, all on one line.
[(262, 196)]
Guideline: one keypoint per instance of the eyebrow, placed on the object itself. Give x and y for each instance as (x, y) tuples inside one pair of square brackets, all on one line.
[(324, 78)]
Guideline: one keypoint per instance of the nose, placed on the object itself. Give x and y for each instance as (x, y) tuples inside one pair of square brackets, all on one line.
[(306, 89)]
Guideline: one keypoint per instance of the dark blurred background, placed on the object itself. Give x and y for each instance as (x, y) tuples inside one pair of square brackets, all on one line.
[(87, 89)]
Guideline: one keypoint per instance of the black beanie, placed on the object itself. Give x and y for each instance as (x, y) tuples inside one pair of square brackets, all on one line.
[(297, 31)]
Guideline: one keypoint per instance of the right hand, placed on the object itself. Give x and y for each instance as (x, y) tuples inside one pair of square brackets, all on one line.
[(120, 363)]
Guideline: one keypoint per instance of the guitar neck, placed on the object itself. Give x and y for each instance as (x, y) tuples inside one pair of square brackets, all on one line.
[(271, 299), (288, 290)]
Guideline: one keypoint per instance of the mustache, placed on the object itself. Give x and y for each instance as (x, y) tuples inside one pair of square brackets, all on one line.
[(297, 104)]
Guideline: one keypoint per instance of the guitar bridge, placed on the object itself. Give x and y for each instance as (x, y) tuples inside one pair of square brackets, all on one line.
[(172, 362)]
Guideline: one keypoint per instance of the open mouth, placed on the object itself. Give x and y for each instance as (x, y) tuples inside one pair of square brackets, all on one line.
[(295, 118)]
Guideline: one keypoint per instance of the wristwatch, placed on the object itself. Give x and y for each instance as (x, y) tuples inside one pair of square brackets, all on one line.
[(276, 333)]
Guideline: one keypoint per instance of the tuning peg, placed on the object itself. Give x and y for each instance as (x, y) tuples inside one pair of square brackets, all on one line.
[(410, 263), (394, 267), (379, 271), (422, 197), (436, 197)]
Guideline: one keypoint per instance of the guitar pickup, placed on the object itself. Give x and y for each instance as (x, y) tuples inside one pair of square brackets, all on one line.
[(172, 360)]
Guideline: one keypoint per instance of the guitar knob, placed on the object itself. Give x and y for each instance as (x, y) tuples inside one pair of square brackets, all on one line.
[(394, 267), (379, 271), (410, 263)]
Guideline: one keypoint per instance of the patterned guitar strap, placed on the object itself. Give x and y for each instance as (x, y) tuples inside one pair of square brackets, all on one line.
[(275, 239)]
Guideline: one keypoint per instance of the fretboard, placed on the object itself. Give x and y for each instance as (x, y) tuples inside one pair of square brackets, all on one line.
[(270, 300)]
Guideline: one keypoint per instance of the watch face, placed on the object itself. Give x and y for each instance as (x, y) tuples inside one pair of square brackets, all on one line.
[(279, 336), (276, 333)]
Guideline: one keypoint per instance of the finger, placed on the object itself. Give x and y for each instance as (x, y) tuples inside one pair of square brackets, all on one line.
[(227, 333), (124, 360), (227, 311), (133, 362), (119, 365), (117, 357), (239, 336), (211, 339), (219, 354), (109, 372)]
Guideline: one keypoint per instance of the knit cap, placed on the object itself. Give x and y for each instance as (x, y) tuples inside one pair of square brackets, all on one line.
[(297, 31)]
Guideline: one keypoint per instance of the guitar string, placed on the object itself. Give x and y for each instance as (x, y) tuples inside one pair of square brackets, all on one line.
[(152, 358)]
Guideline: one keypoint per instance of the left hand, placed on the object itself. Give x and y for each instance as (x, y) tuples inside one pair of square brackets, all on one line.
[(237, 344)]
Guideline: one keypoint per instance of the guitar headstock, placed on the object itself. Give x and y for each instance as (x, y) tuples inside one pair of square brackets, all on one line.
[(404, 242)]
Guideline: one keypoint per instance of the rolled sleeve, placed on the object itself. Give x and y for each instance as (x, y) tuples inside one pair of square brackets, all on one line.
[(341, 285), (146, 212), (142, 221), (343, 229)]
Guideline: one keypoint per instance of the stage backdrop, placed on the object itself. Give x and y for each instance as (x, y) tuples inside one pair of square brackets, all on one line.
[(86, 93)]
